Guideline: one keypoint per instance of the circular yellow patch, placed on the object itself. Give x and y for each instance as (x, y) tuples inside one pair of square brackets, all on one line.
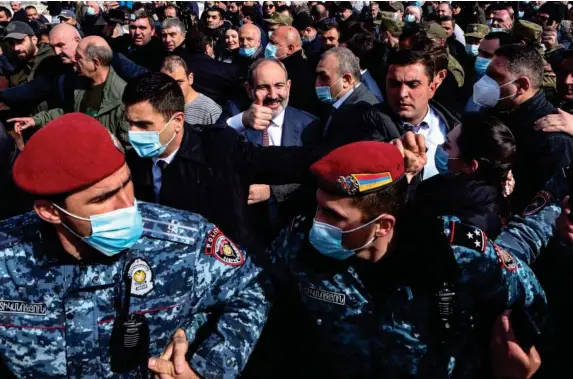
[(139, 276), (228, 251)]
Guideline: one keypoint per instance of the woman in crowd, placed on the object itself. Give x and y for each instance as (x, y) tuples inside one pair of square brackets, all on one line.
[(231, 45), (475, 165)]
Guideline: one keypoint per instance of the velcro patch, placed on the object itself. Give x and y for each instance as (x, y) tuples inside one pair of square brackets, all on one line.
[(223, 248), (468, 236), (539, 201), (505, 258), (22, 307)]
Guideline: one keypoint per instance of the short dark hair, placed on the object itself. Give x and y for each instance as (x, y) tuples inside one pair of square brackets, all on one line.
[(446, 19), (260, 61), (553, 11), (218, 10), (142, 13), (406, 57), (44, 30), (325, 27), (390, 200), (503, 37), (30, 7), (252, 13), (160, 90), (171, 62), (196, 41), (523, 61), (283, 8), (362, 45), (6, 11), (490, 142)]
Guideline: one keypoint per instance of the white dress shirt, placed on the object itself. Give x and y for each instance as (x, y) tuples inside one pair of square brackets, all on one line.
[(434, 129), (275, 128), (156, 171)]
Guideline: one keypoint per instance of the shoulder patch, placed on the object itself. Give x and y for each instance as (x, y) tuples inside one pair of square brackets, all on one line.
[(223, 249), (506, 260), (467, 236), (539, 201)]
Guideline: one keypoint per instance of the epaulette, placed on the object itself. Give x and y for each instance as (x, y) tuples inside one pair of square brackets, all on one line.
[(464, 235), (300, 223), (541, 199), (170, 224)]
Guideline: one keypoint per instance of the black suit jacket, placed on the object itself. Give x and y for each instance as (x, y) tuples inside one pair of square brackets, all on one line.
[(349, 123), (214, 79), (211, 174)]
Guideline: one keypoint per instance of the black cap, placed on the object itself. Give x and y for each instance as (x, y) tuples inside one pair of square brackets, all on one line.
[(345, 5), (18, 30)]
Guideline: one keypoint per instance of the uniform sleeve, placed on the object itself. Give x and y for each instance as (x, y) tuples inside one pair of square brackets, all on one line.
[(493, 275), (232, 287)]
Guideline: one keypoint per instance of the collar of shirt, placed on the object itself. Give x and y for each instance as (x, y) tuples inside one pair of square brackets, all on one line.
[(167, 160), (427, 122), (340, 101)]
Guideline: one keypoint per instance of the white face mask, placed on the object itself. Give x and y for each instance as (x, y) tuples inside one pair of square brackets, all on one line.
[(487, 91)]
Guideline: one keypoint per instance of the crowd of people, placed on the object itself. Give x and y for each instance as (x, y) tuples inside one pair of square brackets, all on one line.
[(266, 189)]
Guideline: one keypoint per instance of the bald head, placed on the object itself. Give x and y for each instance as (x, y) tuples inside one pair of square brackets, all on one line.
[(64, 40), (93, 57), (287, 40), (249, 36)]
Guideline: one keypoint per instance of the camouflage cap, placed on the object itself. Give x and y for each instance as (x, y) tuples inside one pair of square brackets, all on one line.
[(389, 24), (280, 19), (434, 30), (527, 31), (477, 30)]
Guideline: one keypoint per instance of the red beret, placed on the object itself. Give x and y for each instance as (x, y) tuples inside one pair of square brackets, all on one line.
[(359, 168), (69, 153)]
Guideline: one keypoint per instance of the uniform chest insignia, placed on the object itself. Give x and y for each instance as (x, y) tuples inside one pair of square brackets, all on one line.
[(506, 260), (467, 236), (539, 201), (22, 307), (329, 297), (141, 277), (223, 249)]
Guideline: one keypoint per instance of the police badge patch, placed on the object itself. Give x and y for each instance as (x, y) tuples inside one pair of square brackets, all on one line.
[(141, 277), (223, 248), (505, 258), (539, 201)]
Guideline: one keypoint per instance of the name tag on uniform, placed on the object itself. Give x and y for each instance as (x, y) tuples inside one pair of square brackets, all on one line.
[(329, 297), (17, 306)]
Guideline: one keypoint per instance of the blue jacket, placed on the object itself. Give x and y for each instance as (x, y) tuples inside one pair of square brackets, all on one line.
[(371, 84), (295, 123), (57, 315)]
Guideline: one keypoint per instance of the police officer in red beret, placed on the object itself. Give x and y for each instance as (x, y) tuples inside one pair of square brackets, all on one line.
[(93, 283), (389, 297)]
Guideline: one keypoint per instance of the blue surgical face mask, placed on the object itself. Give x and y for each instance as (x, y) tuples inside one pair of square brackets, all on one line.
[(480, 65), (472, 50), (270, 33), (324, 95), (327, 239), (536, 7), (495, 30), (90, 11), (112, 232), (247, 51), (441, 159), (520, 14), (271, 51), (148, 144), (410, 18)]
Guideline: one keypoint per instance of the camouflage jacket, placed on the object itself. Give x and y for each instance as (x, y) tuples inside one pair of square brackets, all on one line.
[(385, 325), (57, 315)]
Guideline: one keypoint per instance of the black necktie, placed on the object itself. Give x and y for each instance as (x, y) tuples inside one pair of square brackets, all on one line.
[(162, 165)]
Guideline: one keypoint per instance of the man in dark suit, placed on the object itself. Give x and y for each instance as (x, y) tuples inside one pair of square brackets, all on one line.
[(206, 171), (338, 84), (270, 122)]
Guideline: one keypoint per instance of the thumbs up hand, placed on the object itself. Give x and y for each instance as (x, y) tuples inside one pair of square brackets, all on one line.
[(258, 116)]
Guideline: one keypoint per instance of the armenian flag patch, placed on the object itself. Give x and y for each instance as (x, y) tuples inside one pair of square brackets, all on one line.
[(359, 184)]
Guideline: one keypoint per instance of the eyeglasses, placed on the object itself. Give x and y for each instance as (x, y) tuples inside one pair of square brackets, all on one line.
[(268, 6)]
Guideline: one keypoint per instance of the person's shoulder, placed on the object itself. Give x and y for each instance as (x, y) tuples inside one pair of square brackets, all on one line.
[(17, 230), (300, 114), (190, 238)]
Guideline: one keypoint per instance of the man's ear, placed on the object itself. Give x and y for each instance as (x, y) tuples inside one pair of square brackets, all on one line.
[(385, 225), (524, 84), (190, 78), (34, 40), (347, 78), (47, 212)]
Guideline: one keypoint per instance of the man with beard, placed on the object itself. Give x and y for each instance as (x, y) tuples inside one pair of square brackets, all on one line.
[(31, 60)]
